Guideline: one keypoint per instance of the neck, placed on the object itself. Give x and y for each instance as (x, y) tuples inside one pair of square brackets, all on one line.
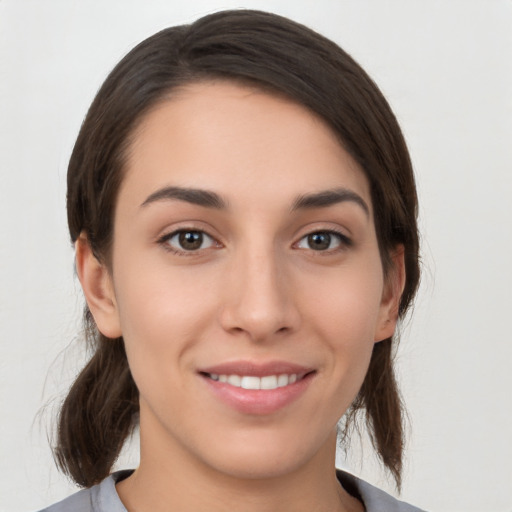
[(168, 479)]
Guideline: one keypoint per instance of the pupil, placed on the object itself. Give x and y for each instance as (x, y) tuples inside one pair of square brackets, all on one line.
[(191, 240), (319, 241)]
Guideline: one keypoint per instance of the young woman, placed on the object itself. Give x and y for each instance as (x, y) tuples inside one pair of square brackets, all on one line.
[(243, 210)]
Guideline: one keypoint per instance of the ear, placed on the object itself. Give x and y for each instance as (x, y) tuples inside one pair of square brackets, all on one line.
[(98, 289), (391, 295)]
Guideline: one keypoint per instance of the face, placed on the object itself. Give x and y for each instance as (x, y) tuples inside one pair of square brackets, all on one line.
[(246, 281)]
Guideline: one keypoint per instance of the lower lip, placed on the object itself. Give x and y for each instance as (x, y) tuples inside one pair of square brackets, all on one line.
[(258, 401)]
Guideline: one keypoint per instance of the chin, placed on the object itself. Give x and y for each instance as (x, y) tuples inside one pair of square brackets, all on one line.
[(268, 456), (263, 466)]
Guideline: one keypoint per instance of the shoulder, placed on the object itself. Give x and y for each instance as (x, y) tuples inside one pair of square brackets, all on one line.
[(79, 502), (374, 499), (98, 498)]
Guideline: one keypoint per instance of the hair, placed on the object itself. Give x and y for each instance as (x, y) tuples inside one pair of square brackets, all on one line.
[(276, 55)]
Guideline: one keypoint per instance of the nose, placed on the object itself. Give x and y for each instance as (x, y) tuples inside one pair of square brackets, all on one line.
[(259, 297)]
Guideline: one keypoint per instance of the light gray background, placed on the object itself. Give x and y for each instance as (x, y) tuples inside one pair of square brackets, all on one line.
[(445, 66)]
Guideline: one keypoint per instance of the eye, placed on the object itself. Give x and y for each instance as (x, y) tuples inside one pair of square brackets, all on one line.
[(323, 241), (188, 240)]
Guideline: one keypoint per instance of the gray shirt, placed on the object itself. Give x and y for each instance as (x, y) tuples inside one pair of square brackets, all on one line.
[(104, 498)]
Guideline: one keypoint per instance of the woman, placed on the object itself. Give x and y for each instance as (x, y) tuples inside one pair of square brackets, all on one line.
[(243, 210)]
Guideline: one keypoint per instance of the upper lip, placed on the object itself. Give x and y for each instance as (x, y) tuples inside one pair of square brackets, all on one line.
[(256, 369)]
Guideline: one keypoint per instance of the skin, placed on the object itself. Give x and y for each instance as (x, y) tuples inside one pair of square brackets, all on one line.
[(254, 290)]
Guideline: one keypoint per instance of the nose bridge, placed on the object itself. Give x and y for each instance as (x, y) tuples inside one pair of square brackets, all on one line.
[(258, 295)]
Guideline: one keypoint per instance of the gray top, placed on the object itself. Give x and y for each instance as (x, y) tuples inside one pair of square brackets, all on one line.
[(104, 498)]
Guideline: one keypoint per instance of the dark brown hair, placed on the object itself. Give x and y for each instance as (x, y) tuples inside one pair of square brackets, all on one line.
[(277, 55)]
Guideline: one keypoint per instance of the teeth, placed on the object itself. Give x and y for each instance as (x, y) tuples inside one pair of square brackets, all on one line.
[(269, 382), (282, 380), (235, 380), (252, 382)]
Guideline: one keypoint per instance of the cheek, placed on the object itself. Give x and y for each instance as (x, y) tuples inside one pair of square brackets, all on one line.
[(156, 299), (346, 305), (160, 315), (345, 316)]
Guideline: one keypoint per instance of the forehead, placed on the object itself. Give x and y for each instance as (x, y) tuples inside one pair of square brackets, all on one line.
[(236, 138)]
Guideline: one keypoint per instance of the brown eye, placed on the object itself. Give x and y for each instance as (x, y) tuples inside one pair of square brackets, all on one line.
[(319, 241), (189, 240), (323, 241)]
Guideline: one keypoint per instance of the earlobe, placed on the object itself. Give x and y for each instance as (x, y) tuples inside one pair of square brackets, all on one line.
[(97, 285), (392, 293)]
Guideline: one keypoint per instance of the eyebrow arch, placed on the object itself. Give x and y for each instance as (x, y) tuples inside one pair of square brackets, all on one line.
[(327, 198), (190, 195)]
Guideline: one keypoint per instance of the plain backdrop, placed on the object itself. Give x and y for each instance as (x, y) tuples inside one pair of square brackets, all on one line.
[(444, 65)]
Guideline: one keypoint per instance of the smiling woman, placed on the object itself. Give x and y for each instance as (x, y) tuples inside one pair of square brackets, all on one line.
[(244, 215)]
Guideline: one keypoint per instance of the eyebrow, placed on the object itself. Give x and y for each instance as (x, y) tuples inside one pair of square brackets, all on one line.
[(208, 199), (327, 198), (190, 195)]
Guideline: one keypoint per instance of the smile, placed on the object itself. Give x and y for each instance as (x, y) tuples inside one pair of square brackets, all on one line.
[(267, 382), (258, 388)]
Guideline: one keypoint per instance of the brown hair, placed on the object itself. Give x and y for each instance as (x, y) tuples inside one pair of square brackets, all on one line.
[(277, 55)]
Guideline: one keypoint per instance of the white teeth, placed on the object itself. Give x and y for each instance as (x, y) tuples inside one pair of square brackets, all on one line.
[(235, 380), (252, 382), (282, 381), (269, 382)]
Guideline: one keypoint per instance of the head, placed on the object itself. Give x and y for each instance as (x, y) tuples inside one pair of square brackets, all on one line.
[(277, 57)]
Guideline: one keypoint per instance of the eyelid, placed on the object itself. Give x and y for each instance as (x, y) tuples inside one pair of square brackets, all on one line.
[(164, 240), (344, 241)]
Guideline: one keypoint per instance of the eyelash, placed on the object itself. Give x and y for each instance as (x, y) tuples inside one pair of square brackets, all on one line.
[(343, 241), (166, 239)]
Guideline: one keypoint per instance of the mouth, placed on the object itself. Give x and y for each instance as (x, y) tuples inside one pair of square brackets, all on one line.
[(258, 389), (267, 382)]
